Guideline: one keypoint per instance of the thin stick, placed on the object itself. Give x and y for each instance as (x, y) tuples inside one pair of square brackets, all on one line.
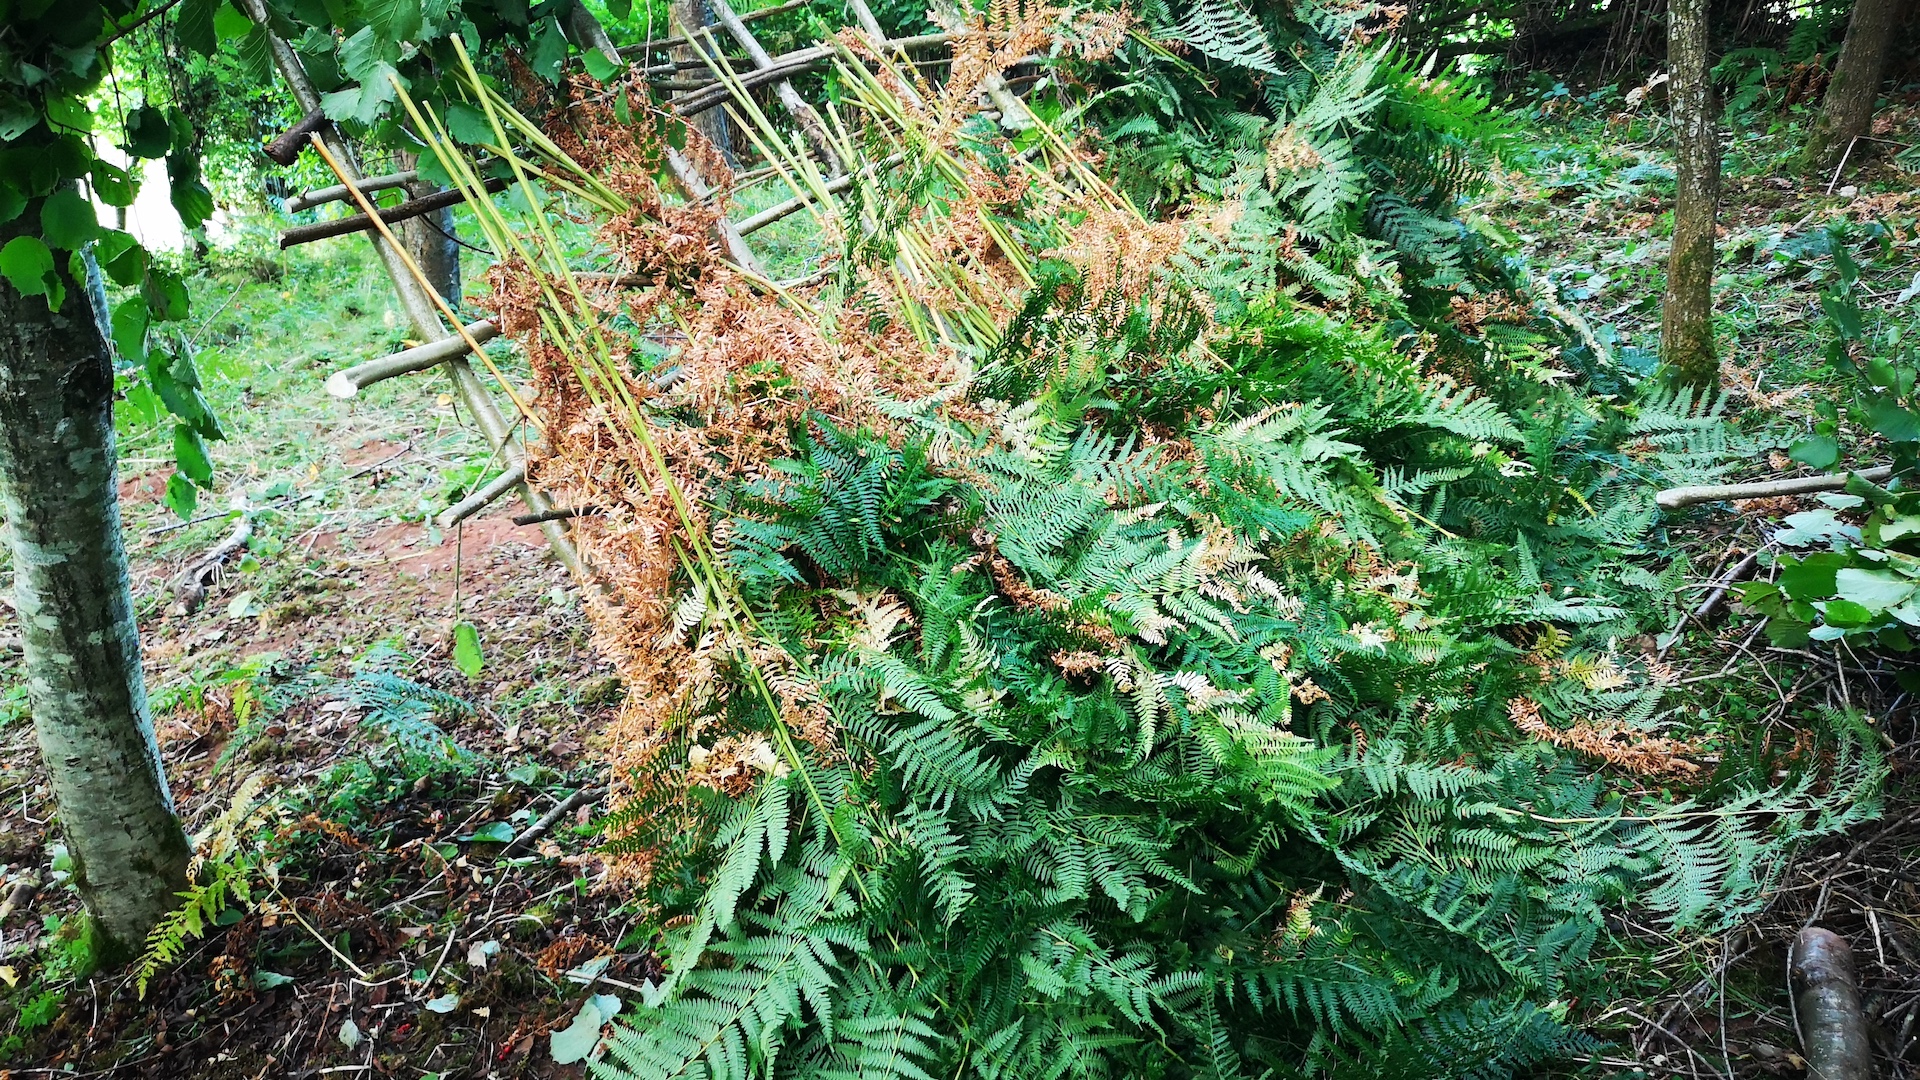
[(481, 497), (307, 200), (1675, 498)]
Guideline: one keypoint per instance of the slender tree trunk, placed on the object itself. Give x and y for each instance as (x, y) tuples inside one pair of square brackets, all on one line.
[(430, 240), (1686, 314), (1847, 110), (693, 16), (89, 701)]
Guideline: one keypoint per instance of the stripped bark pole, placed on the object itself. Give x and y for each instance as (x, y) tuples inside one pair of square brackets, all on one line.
[(418, 306), (802, 112), (307, 200), (350, 381), (1826, 998), (1675, 498)]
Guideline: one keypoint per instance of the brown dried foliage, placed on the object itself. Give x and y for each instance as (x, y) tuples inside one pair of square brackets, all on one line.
[(1624, 748), (750, 369)]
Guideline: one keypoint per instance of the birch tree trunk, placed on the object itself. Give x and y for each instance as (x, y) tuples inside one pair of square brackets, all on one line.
[(1686, 312), (71, 588), (1847, 110)]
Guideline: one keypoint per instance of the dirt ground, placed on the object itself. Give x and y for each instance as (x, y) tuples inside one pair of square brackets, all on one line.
[(390, 937)]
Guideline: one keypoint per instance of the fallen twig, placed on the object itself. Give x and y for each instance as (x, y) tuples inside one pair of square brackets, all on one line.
[(190, 585), (552, 817), (1675, 498)]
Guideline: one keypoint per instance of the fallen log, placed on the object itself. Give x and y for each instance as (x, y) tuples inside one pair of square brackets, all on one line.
[(413, 208), (1675, 498), (1826, 998)]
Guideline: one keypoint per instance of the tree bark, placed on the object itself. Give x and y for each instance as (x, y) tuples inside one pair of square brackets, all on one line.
[(692, 16), (1847, 110), (59, 490), (1686, 314), (1833, 1030), (431, 240)]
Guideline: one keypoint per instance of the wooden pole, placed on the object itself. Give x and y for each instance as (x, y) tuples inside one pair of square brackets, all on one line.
[(417, 305)]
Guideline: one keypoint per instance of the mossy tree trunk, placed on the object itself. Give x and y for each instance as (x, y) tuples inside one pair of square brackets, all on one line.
[(59, 489), (1686, 312), (1847, 110)]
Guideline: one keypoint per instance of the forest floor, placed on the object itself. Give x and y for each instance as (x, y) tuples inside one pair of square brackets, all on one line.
[(392, 938)]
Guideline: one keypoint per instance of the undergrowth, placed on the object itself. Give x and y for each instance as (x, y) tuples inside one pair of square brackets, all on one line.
[(1071, 644)]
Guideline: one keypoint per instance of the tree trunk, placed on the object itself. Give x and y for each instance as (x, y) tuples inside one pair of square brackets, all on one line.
[(1686, 314), (1847, 111), (430, 240), (690, 17), (71, 589)]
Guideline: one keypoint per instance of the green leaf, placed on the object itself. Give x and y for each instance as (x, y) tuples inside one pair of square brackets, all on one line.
[(468, 124), (165, 293), (1876, 590), (229, 22), (243, 606), (445, 1003), (193, 25), (130, 321), (363, 54), (499, 832), (192, 201), (580, 1037), (269, 980), (190, 453), (256, 54), (394, 20), (466, 650), (27, 265), (113, 185), (182, 496), (1811, 578), (1886, 415), (69, 114), (148, 135), (67, 220), (1899, 528), (1846, 613), (549, 51), (11, 203), (1844, 314), (120, 256), (601, 68), (1815, 452)]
